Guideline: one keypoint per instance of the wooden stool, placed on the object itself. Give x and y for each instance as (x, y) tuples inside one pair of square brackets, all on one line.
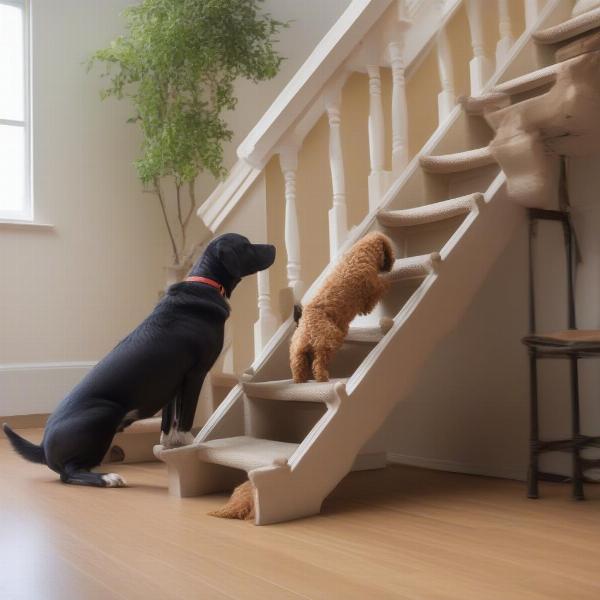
[(571, 344)]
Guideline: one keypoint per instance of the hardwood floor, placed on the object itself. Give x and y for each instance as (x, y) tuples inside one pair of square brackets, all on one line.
[(400, 533)]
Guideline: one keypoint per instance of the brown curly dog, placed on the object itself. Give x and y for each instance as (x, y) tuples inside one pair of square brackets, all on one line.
[(353, 287)]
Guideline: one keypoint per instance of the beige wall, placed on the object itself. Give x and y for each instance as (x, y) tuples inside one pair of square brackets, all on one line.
[(469, 411)]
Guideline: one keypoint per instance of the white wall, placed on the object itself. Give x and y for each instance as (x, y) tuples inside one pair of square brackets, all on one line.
[(469, 411), (70, 293)]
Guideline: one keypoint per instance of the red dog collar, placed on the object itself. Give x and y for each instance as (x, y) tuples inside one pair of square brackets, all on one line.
[(208, 281)]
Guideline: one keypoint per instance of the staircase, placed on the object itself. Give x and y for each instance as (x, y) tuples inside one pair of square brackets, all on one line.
[(446, 210)]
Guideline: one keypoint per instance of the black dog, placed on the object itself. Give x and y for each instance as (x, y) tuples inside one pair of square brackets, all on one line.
[(160, 365)]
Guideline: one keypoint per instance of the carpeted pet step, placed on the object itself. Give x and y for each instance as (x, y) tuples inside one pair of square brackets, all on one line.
[(413, 266), (583, 45), (569, 29), (479, 105), (530, 81), (288, 391), (244, 452), (457, 162), (430, 213), (369, 335)]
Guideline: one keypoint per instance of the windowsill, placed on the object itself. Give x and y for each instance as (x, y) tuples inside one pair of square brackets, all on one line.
[(8, 224)]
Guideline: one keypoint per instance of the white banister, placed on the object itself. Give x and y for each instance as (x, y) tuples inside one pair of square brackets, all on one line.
[(447, 97), (377, 178), (267, 323), (338, 214), (399, 108), (506, 39), (532, 11), (480, 66), (288, 159)]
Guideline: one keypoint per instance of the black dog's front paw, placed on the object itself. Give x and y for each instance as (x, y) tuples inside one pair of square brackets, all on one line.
[(176, 439)]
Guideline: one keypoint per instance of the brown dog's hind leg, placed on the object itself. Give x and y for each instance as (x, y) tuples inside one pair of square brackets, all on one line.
[(320, 363), (300, 365)]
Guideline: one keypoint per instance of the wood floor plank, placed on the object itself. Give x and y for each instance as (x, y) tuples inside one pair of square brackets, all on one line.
[(396, 534)]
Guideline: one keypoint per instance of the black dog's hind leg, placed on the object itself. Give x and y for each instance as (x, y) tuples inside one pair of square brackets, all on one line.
[(77, 476)]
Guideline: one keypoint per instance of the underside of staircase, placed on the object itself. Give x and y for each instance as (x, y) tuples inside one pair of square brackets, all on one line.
[(449, 216)]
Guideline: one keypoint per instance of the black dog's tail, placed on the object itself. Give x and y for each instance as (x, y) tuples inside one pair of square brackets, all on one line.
[(26, 449)]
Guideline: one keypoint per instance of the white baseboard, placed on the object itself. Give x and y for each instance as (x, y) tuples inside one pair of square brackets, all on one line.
[(37, 388), (505, 472)]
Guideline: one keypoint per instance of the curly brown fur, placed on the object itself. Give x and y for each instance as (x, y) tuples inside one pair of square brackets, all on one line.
[(353, 287), (240, 505)]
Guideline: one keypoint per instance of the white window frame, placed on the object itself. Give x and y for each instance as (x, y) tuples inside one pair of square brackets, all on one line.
[(26, 213)]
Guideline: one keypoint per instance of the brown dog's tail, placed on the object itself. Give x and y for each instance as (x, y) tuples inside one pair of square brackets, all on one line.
[(240, 505)]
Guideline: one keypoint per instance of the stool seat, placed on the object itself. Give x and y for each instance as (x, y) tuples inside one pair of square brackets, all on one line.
[(570, 338)]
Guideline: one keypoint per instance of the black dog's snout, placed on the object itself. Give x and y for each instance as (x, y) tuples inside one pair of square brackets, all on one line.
[(265, 255)]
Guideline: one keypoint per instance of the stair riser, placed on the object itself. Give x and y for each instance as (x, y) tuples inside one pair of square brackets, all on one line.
[(281, 421), (461, 184), (398, 295), (422, 239)]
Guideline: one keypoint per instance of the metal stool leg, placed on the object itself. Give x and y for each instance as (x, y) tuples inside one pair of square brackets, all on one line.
[(575, 424), (532, 474)]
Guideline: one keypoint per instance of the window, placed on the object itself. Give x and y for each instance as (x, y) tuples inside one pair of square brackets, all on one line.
[(15, 186)]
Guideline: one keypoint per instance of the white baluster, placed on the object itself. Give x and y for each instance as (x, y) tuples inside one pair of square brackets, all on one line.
[(377, 178), (288, 159), (480, 66), (399, 109), (532, 11), (267, 322), (446, 98), (506, 37), (338, 215)]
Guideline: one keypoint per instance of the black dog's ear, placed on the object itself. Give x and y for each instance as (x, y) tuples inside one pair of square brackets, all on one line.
[(229, 259)]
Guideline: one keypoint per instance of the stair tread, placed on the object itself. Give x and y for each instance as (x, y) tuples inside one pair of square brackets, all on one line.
[(577, 47), (530, 81), (429, 213), (479, 105), (369, 334), (244, 452), (570, 28), (458, 161), (413, 266), (287, 391)]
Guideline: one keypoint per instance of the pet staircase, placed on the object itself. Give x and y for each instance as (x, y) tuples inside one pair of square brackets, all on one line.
[(447, 213)]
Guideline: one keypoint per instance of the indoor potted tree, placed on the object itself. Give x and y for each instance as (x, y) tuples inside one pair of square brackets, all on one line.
[(177, 64)]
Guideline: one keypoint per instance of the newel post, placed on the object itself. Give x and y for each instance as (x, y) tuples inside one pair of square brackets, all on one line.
[(338, 214), (267, 323), (399, 108), (480, 66), (378, 179), (447, 97), (506, 40), (288, 160), (532, 11)]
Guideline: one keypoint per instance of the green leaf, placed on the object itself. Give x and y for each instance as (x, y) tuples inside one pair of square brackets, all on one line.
[(177, 64)]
